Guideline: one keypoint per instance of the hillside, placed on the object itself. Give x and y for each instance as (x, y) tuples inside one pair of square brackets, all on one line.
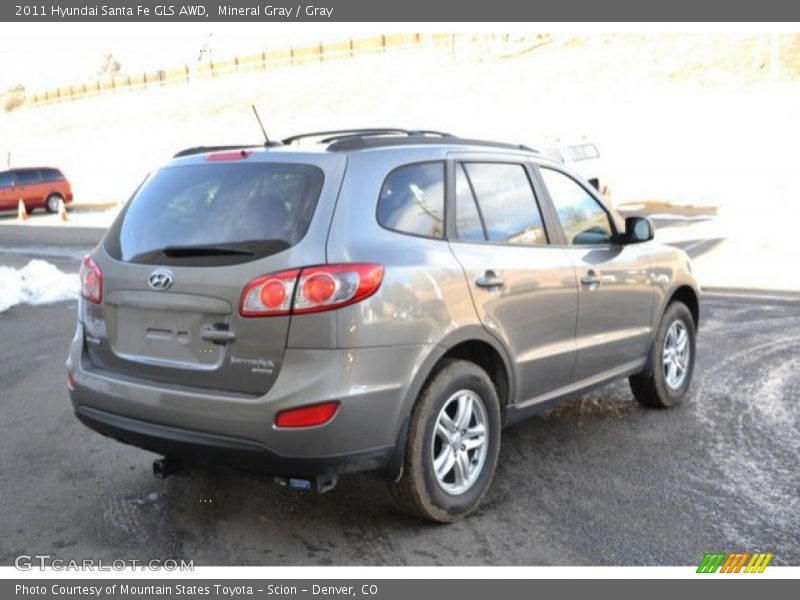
[(640, 97), (679, 119)]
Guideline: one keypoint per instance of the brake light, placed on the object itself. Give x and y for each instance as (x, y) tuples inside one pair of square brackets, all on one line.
[(319, 288), (224, 156), (91, 278), (311, 289), (273, 293), (307, 416), (269, 296)]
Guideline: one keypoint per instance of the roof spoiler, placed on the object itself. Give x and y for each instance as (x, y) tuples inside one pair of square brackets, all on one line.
[(205, 149)]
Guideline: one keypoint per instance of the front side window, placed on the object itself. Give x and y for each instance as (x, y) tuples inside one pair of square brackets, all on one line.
[(507, 203), (217, 213), (412, 200), (6, 179), (582, 218)]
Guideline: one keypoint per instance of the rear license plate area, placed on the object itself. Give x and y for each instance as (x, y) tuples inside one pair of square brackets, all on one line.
[(165, 337)]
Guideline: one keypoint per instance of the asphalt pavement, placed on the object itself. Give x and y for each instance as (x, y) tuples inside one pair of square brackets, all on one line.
[(596, 481)]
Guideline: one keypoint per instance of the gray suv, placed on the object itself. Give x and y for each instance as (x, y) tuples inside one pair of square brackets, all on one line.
[(380, 300)]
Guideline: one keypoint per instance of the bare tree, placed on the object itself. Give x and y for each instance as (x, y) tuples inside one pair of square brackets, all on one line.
[(110, 67)]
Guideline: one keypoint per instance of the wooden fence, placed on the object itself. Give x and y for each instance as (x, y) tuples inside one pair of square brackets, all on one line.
[(492, 44)]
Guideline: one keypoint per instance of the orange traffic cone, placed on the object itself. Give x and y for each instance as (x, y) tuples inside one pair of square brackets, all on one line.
[(22, 212), (62, 210)]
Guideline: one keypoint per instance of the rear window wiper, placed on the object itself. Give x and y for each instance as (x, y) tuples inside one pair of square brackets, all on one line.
[(205, 250)]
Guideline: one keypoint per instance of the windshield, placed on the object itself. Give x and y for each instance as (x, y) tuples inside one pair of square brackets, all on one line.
[(220, 213)]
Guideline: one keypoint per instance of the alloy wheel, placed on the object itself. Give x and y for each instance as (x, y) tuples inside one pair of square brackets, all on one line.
[(460, 442), (676, 355)]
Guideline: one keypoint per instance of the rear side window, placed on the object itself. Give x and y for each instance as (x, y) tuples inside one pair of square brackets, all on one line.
[(6, 179), (554, 153), (590, 151), (583, 152), (219, 213), (507, 203), (412, 200), (27, 177)]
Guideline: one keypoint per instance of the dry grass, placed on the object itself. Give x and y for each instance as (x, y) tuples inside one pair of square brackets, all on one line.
[(667, 207), (13, 98)]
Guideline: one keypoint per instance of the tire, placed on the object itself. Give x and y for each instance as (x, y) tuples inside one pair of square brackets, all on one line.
[(51, 203), (419, 491), (655, 387)]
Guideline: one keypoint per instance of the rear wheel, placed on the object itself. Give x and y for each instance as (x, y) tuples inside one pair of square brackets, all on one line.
[(453, 443), (671, 361), (52, 201)]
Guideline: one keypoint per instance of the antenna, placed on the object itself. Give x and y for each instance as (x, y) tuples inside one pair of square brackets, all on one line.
[(260, 124)]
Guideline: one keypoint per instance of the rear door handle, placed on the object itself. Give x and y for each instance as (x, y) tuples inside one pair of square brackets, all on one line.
[(217, 336), (490, 279), (591, 278)]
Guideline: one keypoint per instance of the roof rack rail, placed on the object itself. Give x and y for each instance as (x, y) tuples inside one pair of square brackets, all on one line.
[(357, 142), (205, 149), (343, 140), (335, 134)]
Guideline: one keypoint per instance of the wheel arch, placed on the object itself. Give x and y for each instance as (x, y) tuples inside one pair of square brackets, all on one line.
[(488, 358), (472, 343), (684, 293), (688, 296)]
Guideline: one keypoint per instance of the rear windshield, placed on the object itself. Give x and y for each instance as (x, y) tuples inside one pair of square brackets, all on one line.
[(212, 214), (51, 174)]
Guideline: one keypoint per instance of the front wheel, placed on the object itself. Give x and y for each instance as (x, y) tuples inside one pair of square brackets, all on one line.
[(671, 363), (452, 447)]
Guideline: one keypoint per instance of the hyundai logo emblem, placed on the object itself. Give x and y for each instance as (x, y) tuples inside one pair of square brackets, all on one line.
[(160, 279)]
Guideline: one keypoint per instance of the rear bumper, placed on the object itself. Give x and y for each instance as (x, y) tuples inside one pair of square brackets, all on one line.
[(198, 425), (221, 451)]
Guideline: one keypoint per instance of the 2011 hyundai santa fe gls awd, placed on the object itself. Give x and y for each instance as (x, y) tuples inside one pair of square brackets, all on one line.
[(376, 300)]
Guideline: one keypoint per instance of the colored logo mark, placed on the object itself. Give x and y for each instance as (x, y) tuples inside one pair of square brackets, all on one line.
[(734, 563)]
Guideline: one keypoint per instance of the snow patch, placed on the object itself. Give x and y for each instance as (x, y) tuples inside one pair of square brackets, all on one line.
[(38, 282)]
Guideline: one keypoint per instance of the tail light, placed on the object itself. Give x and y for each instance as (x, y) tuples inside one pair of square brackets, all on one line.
[(307, 416), (312, 289), (332, 286), (91, 278), (269, 296)]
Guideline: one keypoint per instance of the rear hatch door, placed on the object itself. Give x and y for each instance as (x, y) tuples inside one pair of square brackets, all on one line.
[(177, 259)]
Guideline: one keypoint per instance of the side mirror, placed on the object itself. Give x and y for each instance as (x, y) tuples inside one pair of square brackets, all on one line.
[(639, 229)]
